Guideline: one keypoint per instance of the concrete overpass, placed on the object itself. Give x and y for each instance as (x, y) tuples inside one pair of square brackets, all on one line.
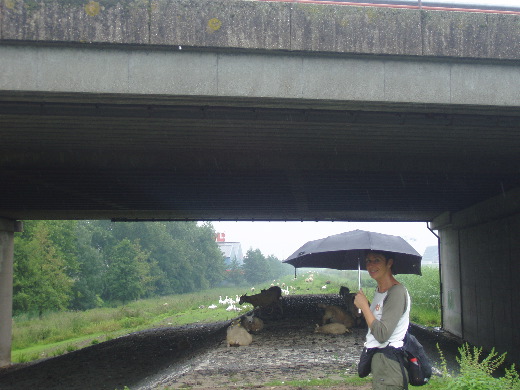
[(242, 110)]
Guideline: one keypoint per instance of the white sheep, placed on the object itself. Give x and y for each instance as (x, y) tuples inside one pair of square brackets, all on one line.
[(252, 323), (237, 335), (332, 328), (336, 314), (310, 279)]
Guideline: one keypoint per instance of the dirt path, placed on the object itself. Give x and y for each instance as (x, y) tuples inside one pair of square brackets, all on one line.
[(282, 352)]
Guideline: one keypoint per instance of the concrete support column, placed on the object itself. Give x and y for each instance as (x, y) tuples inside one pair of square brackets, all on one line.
[(7, 229)]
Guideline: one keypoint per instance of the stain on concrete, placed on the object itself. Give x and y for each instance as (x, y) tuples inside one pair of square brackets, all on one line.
[(214, 24), (9, 4), (92, 8)]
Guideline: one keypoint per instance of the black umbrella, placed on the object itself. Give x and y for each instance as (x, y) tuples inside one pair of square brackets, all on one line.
[(347, 251)]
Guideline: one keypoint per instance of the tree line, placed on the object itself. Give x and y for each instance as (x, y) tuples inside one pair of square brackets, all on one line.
[(78, 265)]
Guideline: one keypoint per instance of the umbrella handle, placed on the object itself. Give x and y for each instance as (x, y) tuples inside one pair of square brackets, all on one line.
[(359, 278)]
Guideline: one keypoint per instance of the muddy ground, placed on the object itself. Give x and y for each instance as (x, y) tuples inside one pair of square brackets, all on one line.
[(196, 356)]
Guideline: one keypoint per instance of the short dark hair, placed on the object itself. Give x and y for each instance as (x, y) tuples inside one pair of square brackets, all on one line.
[(387, 255)]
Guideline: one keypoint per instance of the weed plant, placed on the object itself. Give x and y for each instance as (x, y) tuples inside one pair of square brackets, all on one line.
[(476, 372)]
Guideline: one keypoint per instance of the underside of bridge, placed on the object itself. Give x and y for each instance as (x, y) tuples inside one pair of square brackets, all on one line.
[(133, 157), (258, 110)]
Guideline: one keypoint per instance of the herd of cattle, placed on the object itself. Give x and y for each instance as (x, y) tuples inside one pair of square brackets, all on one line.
[(335, 319)]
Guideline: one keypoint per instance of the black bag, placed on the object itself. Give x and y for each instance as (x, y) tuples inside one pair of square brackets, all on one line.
[(411, 357), (417, 363), (365, 362)]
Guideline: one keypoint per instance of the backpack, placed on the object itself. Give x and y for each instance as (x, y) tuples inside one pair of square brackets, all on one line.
[(416, 361)]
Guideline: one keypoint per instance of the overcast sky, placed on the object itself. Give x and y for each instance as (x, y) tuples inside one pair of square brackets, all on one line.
[(281, 239)]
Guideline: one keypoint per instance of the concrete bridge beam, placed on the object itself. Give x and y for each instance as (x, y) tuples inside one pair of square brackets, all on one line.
[(249, 75), (7, 229)]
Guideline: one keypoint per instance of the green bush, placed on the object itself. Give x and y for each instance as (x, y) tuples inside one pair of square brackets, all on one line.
[(476, 373), (425, 294)]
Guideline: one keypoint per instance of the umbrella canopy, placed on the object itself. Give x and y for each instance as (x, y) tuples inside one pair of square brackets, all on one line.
[(347, 251)]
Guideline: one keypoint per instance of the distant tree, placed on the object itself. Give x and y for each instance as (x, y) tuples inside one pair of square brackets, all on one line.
[(41, 282), (63, 236), (100, 261), (256, 267), (235, 273), (128, 276), (210, 265), (90, 275), (184, 257), (154, 238), (279, 269)]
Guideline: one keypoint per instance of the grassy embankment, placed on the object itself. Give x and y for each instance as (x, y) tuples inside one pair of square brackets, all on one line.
[(58, 333)]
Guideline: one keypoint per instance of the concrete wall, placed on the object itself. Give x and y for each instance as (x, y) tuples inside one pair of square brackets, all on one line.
[(7, 229), (263, 25), (480, 253), (451, 288)]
